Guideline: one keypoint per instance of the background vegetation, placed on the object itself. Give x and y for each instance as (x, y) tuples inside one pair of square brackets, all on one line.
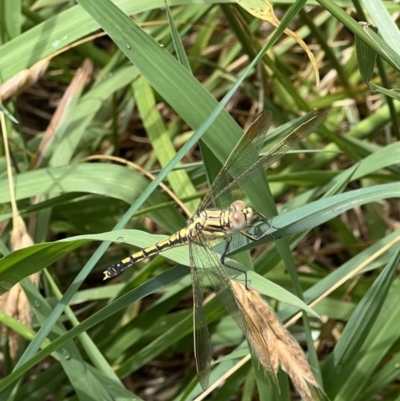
[(88, 84)]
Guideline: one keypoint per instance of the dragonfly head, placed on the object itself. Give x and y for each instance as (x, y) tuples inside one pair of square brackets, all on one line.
[(241, 215)]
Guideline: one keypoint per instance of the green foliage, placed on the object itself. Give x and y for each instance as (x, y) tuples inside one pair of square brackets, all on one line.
[(333, 244)]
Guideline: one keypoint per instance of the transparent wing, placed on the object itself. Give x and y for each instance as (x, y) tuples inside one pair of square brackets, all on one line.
[(202, 340), (244, 163), (243, 156), (206, 259), (229, 295)]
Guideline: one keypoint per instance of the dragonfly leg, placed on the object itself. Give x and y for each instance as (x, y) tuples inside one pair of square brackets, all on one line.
[(223, 256), (254, 237), (258, 237)]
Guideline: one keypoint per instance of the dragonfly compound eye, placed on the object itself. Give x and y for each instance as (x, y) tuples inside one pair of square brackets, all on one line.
[(238, 215)]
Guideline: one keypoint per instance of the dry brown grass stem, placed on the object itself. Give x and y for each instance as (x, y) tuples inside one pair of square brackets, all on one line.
[(347, 277), (146, 173)]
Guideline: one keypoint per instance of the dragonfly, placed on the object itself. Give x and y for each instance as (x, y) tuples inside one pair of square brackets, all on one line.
[(221, 214)]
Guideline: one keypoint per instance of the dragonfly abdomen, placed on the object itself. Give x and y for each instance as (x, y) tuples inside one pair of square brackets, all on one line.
[(178, 239)]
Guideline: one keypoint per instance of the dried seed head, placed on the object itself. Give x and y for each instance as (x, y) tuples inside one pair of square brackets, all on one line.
[(14, 302), (273, 345)]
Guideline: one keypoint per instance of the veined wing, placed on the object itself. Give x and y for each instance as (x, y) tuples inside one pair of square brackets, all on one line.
[(244, 155), (244, 161), (208, 261), (204, 261), (201, 335), (205, 258)]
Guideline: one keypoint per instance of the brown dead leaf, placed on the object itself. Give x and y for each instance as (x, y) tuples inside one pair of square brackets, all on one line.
[(76, 85), (23, 80)]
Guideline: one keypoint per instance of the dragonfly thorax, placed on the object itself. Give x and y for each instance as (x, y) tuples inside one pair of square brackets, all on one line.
[(241, 215)]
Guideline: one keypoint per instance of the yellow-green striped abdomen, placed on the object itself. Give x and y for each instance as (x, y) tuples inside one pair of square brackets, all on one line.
[(212, 224)]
